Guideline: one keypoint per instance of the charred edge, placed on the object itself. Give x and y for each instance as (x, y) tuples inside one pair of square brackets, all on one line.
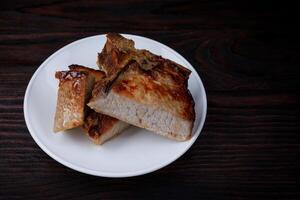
[(63, 76), (80, 68), (93, 123), (74, 66)]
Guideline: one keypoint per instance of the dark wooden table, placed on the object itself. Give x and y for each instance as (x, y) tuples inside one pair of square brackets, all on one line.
[(247, 55)]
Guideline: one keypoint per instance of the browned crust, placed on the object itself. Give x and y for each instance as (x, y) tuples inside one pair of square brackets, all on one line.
[(64, 76), (97, 124), (98, 75), (120, 42), (112, 60), (118, 51)]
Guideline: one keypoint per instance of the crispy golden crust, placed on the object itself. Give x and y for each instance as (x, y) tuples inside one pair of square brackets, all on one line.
[(144, 77)]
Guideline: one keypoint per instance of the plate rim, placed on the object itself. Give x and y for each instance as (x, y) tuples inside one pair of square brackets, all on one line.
[(97, 172)]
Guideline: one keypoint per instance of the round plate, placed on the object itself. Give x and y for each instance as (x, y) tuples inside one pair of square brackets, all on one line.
[(134, 152)]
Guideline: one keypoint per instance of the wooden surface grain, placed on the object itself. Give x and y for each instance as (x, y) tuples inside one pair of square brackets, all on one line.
[(247, 54)]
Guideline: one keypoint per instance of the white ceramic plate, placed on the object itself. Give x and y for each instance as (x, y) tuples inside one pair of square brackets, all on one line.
[(136, 151)]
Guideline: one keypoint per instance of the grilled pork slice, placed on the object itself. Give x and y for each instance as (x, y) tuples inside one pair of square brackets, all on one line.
[(100, 128), (144, 89), (74, 91)]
